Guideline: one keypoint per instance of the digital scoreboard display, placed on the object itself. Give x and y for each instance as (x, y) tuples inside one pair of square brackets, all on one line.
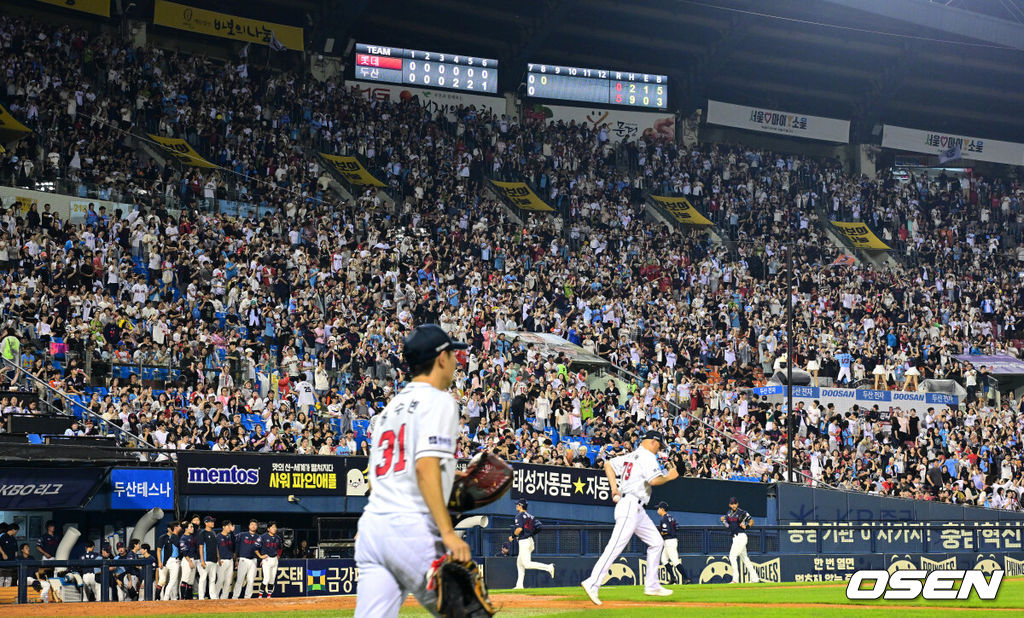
[(599, 86), (380, 63)]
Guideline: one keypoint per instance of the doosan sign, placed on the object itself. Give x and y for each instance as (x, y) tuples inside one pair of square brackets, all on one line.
[(930, 585)]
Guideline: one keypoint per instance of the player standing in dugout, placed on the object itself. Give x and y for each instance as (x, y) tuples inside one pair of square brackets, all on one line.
[(738, 521)]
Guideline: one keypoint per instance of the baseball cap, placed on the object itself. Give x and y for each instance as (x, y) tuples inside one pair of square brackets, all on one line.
[(523, 503), (209, 518), (733, 500), (654, 435), (426, 342), (663, 505)]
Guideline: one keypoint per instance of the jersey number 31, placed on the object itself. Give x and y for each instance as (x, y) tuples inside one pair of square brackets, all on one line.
[(387, 445)]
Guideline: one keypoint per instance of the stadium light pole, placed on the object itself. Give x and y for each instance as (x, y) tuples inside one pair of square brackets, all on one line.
[(790, 356)]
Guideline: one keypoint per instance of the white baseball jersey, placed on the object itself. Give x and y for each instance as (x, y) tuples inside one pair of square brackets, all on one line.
[(420, 421), (635, 472)]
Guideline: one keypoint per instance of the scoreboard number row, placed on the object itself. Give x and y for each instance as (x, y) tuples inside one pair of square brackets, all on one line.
[(470, 72)]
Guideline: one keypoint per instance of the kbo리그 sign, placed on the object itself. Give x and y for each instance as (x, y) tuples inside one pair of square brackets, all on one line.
[(929, 585)]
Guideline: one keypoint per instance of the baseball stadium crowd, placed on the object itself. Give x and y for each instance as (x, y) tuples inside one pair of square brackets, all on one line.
[(284, 332)]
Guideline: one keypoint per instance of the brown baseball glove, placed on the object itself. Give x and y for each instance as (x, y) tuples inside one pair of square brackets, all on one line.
[(487, 478)]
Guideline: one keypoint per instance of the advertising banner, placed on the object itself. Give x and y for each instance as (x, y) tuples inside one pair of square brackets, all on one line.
[(352, 170), (182, 151), (96, 7), (1000, 364), (445, 101), (589, 487), (244, 29), (10, 129), (680, 209), (520, 194), (845, 398), (630, 570), (860, 236), (907, 537), (768, 120), (255, 474), (622, 125), (800, 504), (47, 488), (142, 488), (939, 142)]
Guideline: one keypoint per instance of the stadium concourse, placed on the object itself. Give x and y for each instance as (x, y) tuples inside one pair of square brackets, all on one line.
[(245, 310)]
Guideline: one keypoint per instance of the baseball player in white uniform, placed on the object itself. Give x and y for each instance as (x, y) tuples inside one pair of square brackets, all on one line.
[(737, 521), (631, 477), (406, 524)]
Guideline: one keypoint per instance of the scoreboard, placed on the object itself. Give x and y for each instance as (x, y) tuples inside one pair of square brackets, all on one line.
[(426, 69), (603, 87)]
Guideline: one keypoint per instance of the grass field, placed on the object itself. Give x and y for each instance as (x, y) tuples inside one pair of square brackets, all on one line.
[(745, 600)]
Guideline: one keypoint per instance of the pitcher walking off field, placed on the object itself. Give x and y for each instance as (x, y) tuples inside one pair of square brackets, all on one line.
[(737, 521), (631, 477), (405, 525)]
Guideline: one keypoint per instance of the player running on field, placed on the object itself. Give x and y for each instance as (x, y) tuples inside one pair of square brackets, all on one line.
[(631, 477), (406, 524), (738, 521)]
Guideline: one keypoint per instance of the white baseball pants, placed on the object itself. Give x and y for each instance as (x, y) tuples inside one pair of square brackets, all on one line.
[(269, 570), (207, 576), (188, 571), (670, 555), (170, 582), (843, 372), (223, 585), (739, 550), (630, 519), (525, 561), (246, 576), (393, 554)]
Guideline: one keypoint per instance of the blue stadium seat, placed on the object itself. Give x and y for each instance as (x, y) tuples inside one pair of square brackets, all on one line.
[(35, 438)]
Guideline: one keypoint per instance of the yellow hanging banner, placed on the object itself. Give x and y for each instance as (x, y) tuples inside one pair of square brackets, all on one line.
[(520, 194), (680, 209), (96, 7), (353, 170), (244, 29), (860, 236), (182, 151), (10, 129)]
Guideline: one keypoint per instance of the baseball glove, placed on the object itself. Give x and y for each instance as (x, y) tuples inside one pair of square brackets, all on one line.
[(460, 589), (487, 478)]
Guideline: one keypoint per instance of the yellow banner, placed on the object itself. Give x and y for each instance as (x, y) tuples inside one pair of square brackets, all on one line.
[(180, 150), (182, 17), (96, 7), (520, 194), (353, 170), (682, 210), (861, 236), (10, 129)]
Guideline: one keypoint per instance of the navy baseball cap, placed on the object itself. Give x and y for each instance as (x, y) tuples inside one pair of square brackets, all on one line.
[(208, 518), (654, 435), (426, 341), (663, 505), (733, 500), (523, 503)]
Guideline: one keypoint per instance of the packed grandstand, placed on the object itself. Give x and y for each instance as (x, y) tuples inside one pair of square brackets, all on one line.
[(279, 327)]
